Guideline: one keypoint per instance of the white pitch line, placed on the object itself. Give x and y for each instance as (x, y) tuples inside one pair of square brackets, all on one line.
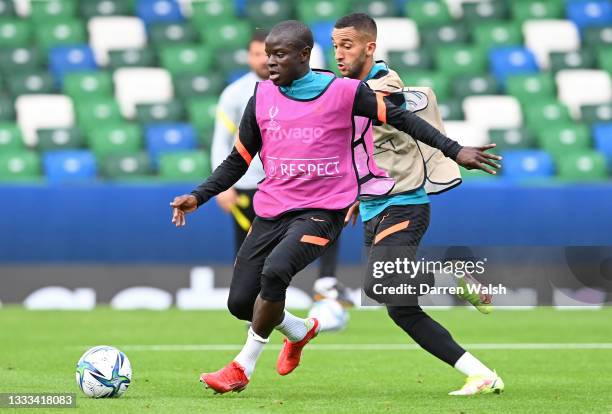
[(367, 347)]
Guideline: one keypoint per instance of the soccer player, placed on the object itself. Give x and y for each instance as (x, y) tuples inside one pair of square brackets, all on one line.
[(401, 217), (300, 123)]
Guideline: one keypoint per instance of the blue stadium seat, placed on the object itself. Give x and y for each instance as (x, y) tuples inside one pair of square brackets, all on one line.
[(162, 138), (63, 166), (589, 13), (527, 164), (322, 34), (159, 11), (66, 59), (507, 61), (602, 136)]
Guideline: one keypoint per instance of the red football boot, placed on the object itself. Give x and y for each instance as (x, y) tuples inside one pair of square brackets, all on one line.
[(289, 357), (229, 378)]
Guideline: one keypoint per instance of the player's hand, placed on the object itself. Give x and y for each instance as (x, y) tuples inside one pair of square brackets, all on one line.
[(227, 199), (478, 158), (182, 205), (352, 214)]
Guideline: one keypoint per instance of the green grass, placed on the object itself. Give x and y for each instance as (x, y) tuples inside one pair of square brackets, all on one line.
[(39, 350)]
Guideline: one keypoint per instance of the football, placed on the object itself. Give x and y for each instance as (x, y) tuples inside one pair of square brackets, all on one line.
[(331, 314), (103, 372)]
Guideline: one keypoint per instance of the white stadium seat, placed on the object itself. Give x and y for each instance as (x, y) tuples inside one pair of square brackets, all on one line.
[(466, 133), (396, 34), (140, 86), (115, 33), (493, 111), (576, 87), (42, 112), (23, 7), (545, 36)]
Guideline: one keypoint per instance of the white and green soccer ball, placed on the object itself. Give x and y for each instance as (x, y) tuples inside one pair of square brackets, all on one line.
[(103, 372), (331, 314)]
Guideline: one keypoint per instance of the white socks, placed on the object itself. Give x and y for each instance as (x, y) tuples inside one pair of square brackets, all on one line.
[(250, 352), (292, 327), (468, 365)]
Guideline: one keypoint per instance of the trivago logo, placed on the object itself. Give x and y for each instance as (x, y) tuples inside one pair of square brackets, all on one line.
[(276, 132), (302, 168)]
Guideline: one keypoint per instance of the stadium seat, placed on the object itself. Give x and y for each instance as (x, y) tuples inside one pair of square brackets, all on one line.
[(528, 87), (10, 137), (527, 165), (497, 33), (537, 9), (232, 60), (439, 82), (19, 166), (451, 33), (266, 13), (592, 114), (165, 112), (192, 85), (541, 113), (545, 36), (322, 33), (512, 139), (467, 85), (451, 110), (501, 111), (56, 33), (204, 12), (7, 110), (14, 33), (128, 166), (6, 8), (81, 86), (578, 59), (43, 111), (17, 60), (162, 138), (159, 11), (598, 36), (94, 8), (67, 166), (589, 13), (30, 82), (586, 165), (583, 87), (103, 35), (232, 34), (419, 59), (44, 11), (461, 60), (428, 12), (395, 34), (466, 133), (604, 58), (65, 59), (602, 137), (167, 33), (99, 111), (131, 58), (141, 85), (184, 166), (559, 139), (455, 7), (186, 58), (375, 8), (114, 139), (202, 113), (507, 61), (319, 10), (59, 139), (487, 10)]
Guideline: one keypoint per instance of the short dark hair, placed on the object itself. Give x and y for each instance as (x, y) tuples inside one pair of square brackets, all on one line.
[(259, 35), (296, 30), (360, 21)]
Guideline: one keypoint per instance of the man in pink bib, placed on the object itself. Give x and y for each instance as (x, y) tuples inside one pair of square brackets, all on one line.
[(302, 125)]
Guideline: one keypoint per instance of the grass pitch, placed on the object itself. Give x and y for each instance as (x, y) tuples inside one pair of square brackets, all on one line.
[(340, 373)]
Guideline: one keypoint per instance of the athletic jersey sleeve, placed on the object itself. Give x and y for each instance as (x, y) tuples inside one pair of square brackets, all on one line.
[(377, 106), (226, 127), (237, 162)]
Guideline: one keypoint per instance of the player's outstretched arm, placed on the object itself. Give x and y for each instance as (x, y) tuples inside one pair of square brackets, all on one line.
[(376, 106), (225, 175)]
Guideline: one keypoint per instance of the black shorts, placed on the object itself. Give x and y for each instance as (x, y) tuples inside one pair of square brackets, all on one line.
[(277, 249), (393, 235)]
